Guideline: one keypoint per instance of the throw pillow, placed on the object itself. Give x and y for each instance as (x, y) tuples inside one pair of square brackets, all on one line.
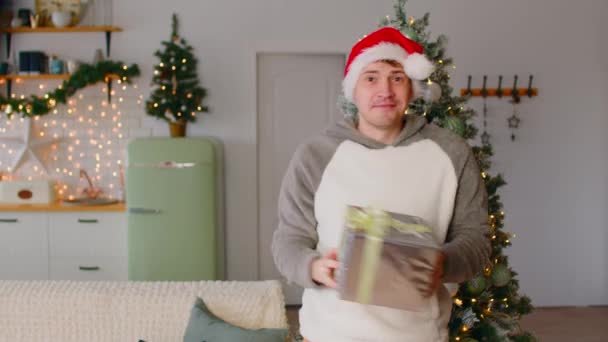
[(204, 326)]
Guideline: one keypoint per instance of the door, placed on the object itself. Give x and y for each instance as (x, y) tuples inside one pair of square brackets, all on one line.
[(297, 96)]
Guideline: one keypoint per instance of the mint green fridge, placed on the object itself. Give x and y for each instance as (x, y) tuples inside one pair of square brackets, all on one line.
[(174, 190)]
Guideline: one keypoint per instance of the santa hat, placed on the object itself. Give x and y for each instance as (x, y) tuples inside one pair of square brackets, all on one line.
[(390, 44)]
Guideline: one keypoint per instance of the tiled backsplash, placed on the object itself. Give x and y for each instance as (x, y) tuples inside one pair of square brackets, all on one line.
[(88, 133)]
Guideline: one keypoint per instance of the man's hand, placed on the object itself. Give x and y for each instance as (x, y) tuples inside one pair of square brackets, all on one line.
[(323, 269), (427, 275)]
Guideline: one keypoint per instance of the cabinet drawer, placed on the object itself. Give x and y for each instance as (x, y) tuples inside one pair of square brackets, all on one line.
[(88, 268), (23, 235), (88, 234), (24, 268)]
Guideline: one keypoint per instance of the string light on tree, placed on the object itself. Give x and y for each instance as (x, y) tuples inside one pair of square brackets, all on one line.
[(186, 95), (474, 313)]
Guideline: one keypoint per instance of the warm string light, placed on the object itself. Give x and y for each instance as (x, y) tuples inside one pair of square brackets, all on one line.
[(74, 155)]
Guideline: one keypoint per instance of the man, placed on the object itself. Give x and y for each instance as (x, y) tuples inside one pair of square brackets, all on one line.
[(383, 158)]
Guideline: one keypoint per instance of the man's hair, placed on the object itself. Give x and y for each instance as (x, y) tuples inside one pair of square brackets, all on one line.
[(392, 63)]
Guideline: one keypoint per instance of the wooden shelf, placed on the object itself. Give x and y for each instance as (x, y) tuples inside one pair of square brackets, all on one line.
[(61, 29), (36, 77), (9, 31), (45, 77)]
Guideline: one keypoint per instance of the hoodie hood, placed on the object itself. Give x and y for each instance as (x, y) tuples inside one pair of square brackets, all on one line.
[(346, 129)]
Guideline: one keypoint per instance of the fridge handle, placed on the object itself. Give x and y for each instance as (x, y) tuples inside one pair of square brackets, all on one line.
[(165, 165), (143, 211)]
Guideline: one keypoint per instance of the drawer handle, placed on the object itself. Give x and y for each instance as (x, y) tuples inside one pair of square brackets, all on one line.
[(88, 268), (88, 220), (9, 220)]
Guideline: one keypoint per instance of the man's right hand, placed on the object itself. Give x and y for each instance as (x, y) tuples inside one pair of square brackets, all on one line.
[(323, 269)]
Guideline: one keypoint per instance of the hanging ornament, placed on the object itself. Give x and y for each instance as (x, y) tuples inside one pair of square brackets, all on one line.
[(432, 91), (172, 60), (168, 115), (184, 68), (183, 108), (514, 120), (163, 100), (8, 109), (454, 124), (175, 38), (469, 318), (476, 285), (501, 275), (485, 137)]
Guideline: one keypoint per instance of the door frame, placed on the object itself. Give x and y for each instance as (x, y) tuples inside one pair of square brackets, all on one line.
[(287, 47)]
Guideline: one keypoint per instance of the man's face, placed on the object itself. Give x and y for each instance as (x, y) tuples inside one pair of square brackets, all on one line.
[(382, 94)]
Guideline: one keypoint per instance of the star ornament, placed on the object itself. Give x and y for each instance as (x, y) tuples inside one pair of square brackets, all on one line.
[(513, 121), (32, 146)]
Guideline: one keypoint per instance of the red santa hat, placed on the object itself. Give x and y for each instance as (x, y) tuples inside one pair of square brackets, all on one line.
[(390, 44)]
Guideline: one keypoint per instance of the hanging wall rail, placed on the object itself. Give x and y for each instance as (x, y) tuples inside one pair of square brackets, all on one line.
[(500, 92)]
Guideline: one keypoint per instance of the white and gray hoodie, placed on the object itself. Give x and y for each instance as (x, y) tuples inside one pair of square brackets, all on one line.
[(427, 172)]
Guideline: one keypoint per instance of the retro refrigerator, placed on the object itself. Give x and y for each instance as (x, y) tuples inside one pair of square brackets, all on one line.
[(174, 189)]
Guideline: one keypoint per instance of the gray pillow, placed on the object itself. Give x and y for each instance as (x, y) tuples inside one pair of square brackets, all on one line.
[(204, 326)]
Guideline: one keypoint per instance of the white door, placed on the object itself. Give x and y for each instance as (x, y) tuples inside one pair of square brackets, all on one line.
[(297, 96)]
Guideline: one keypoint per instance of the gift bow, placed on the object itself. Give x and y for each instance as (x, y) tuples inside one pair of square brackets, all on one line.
[(375, 223)]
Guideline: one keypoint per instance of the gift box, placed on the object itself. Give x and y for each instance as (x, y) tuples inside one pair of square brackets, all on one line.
[(383, 256)]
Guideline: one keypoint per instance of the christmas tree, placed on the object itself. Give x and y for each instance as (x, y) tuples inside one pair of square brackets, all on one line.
[(178, 95), (489, 307)]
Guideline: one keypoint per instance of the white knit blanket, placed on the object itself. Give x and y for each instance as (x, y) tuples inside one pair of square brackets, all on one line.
[(128, 311)]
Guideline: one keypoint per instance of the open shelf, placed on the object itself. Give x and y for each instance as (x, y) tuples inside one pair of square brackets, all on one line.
[(9, 31), (36, 77), (46, 77), (61, 29)]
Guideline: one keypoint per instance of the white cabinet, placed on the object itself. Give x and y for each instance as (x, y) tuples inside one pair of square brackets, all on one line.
[(77, 245), (88, 246), (23, 246)]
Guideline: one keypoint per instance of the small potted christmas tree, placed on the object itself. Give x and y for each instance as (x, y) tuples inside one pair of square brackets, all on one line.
[(177, 96)]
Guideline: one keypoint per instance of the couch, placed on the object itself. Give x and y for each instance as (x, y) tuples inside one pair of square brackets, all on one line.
[(130, 311)]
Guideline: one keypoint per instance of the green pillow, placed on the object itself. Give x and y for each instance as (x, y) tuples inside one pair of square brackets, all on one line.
[(204, 326)]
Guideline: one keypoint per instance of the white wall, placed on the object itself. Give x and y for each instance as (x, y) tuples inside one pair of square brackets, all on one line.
[(556, 169)]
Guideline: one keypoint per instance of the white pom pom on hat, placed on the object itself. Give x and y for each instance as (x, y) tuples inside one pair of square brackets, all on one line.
[(386, 43)]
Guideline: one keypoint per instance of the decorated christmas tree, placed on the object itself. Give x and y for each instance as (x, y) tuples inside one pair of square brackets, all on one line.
[(489, 307), (177, 96)]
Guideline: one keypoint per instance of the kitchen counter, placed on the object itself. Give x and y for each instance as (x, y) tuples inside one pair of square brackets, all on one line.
[(59, 206)]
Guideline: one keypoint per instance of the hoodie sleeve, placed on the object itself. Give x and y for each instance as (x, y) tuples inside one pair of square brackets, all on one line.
[(295, 239), (468, 246)]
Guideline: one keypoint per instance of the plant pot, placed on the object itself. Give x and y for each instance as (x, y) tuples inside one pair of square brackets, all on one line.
[(178, 129), (61, 18)]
